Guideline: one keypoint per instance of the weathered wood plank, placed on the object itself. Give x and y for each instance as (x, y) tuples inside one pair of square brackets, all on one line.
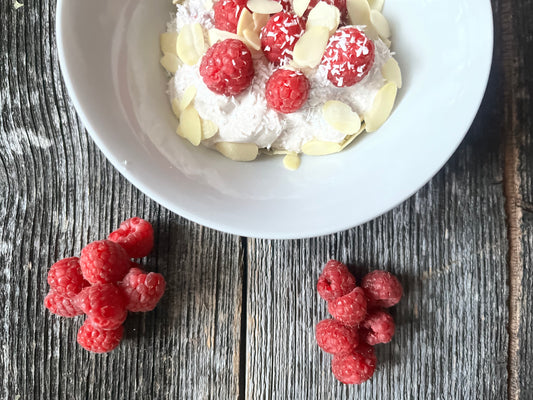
[(58, 193), (447, 244)]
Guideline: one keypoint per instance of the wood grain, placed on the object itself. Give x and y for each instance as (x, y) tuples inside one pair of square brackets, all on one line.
[(447, 244), (59, 193)]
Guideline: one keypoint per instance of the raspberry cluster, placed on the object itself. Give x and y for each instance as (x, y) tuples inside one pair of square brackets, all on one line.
[(359, 319), (104, 284), (227, 67)]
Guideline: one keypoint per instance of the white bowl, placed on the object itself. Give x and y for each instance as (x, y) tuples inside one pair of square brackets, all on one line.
[(109, 54)]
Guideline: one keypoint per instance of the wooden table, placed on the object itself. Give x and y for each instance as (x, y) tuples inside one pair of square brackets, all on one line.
[(237, 320)]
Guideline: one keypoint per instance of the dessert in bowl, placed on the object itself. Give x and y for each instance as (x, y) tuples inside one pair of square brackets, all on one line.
[(109, 54)]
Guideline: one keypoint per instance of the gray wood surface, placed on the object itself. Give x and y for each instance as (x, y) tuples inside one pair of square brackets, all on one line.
[(237, 320)]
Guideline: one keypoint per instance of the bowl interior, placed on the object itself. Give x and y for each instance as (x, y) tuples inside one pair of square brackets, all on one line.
[(109, 53)]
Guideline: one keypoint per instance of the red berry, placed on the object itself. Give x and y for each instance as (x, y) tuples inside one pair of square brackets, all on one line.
[(335, 281), (348, 57), (104, 261), (287, 90), (91, 338), (104, 304), (349, 309), (378, 327), (355, 367), (227, 67), (227, 13), (142, 290), (335, 338), (135, 235), (62, 305), (65, 277), (340, 4), (279, 36), (382, 288), (286, 4)]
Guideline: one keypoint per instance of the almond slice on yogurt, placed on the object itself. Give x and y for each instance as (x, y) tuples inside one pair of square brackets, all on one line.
[(376, 4), (246, 21), (190, 127), (260, 20), (251, 39), (359, 14), (167, 42), (391, 72), (209, 129), (170, 62), (291, 161), (381, 107), (324, 14), (238, 151), (341, 117), (190, 44), (216, 35), (350, 138), (264, 6), (300, 6), (309, 49), (320, 148), (380, 23)]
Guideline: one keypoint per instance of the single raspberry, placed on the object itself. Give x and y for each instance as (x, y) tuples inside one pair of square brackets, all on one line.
[(349, 309), (382, 288), (104, 304), (65, 277), (335, 281), (378, 327), (91, 338), (61, 304), (227, 67), (104, 261), (227, 13), (143, 291), (355, 367), (287, 90), (136, 236), (340, 4), (348, 57), (279, 36), (335, 338)]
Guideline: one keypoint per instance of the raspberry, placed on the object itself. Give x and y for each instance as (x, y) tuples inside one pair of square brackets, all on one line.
[(335, 338), (349, 309), (227, 13), (286, 90), (135, 235), (227, 67), (335, 281), (279, 36), (355, 367), (378, 327), (104, 261), (61, 304), (348, 57), (98, 340), (65, 277), (142, 290), (104, 304), (382, 288)]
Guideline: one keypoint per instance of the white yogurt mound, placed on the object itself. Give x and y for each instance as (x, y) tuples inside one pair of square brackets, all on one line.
[(246, 118)]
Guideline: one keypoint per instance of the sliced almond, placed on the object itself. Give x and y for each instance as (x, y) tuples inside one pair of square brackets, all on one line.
[(208, 4), (326, 15), (188, 97), (380, 23), (260, 20), (376, 4), (176, 107), (167, 41), (391, 72), (381, 107), (209, 129), (246, 21), (215, 35), (387, 42), (300, 6), (238, 151), (251, 39), (359, 14), (264, 6), (309, 49), (190, 127), (291, 161), (191, 43), (319, 148), (170, 62), (350, 138), (341, 117)]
